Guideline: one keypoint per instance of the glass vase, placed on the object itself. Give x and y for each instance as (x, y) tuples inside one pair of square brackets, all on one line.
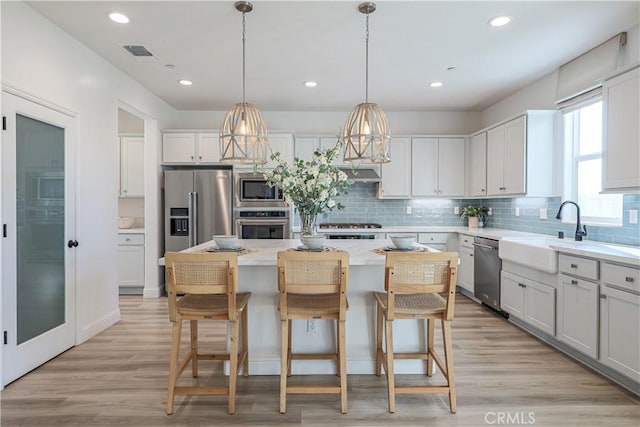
[(307, 223)]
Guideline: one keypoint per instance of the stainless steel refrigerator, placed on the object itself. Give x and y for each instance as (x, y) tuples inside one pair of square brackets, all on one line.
[(197, 206)]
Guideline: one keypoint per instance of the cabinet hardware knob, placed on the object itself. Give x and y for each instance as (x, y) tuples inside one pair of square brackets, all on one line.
[(200, 157), (574, 265), (628, 279), (127, 239), (483, 190), (574, 282), (191, 157), (603, 296)]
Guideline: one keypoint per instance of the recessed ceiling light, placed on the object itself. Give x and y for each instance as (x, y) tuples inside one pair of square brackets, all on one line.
[(119, 18), (499, 21), (310, 84), (185, 82), (435, 84)]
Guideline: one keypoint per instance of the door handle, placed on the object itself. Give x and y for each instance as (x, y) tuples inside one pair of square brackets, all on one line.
[(480, 245), (72, 244)]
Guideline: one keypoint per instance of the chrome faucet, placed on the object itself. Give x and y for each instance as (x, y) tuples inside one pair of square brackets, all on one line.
[(580, 231)]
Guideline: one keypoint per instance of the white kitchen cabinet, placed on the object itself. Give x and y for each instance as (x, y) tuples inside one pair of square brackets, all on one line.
[(190, 147), (305, 146), (131, 166), (465, 269), (520, 155), (621, 142), (578, 314), (282, 143), (619, 310), (528, 300), (437, 167), (131, 263), (437, 241), (478, 165), (396, 176)]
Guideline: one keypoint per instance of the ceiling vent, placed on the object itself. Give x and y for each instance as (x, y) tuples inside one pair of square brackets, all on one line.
[(141, 53)]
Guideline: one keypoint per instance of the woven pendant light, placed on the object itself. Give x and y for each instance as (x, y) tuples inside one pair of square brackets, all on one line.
[(243, 135), (366, 131)]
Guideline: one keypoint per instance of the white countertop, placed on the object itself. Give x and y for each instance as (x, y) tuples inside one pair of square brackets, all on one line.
[(491, 233), (130, 230)]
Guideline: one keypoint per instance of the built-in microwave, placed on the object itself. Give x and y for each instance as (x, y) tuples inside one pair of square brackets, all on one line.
[(252, 191)]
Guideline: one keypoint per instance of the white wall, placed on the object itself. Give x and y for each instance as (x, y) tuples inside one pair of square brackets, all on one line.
[(43, 61), (308, 122)]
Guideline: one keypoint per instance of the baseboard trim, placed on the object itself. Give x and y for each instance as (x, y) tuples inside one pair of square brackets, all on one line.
[(98, 326)]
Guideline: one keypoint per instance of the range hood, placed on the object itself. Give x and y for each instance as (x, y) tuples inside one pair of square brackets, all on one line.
[(362, 174)]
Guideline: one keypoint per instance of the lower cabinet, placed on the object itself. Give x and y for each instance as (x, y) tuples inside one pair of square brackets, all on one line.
[(578, 314), (465, 269), (131, 263), (530, 301)]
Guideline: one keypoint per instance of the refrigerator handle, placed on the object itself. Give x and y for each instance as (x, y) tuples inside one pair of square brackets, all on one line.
[(193, 218)]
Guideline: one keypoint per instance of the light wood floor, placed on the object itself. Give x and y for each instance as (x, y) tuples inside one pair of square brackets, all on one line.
[(119, 378)]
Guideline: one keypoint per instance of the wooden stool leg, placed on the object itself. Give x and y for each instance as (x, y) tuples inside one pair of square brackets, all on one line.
[(176, 329), (343, 365), (379, 326), (338, 350), (245, 342), (284, 363), (193, 326), (391, 385), (233, 367), (290, 328), (448, 355), (430, 330)]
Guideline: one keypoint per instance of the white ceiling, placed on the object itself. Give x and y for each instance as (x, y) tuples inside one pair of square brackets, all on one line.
[(412, 43)]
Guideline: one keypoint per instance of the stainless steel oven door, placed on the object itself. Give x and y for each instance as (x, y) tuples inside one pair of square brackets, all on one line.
[(252, 191), (263, 228)]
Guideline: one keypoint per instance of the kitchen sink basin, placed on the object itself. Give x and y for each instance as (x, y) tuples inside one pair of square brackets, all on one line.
[(532, 252)]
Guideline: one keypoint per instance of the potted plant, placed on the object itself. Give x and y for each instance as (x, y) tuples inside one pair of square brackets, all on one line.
[(476, 215)]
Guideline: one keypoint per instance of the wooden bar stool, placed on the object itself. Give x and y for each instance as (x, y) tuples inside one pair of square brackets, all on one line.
[(312, 285), (419, 285), (209, 282)]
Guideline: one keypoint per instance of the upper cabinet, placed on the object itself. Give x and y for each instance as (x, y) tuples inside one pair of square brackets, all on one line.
[(437, 167), (132, 166), (190, 147), (282, 143), (621, 133), (520, 155), (477, 165), (396, 175)]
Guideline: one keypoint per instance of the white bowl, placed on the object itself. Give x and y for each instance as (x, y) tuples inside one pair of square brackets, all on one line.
[(125, 221), (403, 242), (226, 242), (314, 241)]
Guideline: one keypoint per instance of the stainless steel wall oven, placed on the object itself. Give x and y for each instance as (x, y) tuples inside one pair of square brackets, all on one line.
[(262, 224)]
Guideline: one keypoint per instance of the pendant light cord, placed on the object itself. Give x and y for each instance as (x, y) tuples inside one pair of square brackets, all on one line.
[(366, 79), (244, 37)]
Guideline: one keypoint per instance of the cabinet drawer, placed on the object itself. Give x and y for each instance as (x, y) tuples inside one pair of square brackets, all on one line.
[(621, 276), (130, 239), (576, 266), (427, 238), (465, 240)]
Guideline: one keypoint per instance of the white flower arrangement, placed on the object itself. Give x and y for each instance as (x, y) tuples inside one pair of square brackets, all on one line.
[(310, 185)]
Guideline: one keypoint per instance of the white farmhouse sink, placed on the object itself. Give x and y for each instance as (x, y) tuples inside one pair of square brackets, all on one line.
[(532, 252)]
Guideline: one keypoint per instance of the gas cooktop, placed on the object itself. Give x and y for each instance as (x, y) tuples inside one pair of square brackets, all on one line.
[(348, 225)]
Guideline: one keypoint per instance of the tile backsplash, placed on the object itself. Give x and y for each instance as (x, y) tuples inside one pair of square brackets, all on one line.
[(361, 205)]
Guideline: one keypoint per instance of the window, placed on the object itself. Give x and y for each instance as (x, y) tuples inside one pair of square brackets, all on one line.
[(583, 167)]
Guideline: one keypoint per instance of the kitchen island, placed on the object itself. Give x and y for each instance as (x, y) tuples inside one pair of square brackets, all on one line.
[(258, 275)]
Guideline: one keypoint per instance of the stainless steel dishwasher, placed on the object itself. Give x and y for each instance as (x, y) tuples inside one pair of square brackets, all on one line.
[(486, 271)]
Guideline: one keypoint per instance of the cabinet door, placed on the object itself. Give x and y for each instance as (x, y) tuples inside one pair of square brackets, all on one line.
[(540, 306), (478, 166), (282, 143), (424, 167), (396, 175), (131, 266), (621, 132), (330, 142), (305, 147), (619, 340), (179, 148), (512, 295), (132, 167), (515, 156), (208, 147), (451, 167), (465, 270), (578, 314), (495, 161)]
